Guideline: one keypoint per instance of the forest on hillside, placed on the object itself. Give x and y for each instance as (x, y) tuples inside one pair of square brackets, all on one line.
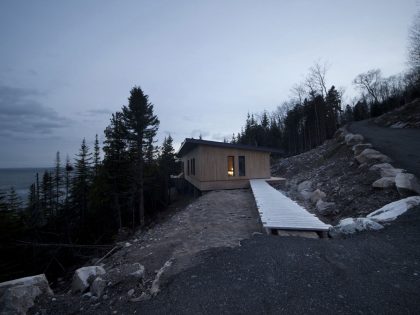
[(315, 109), (90, 200)]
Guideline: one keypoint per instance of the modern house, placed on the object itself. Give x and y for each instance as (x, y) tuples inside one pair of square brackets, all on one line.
[(211, 165)]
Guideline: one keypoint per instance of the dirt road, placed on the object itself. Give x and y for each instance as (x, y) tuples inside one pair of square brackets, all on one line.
[(402, 145)]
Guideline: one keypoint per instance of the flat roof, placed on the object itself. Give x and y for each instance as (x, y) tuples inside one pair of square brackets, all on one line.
[(190, 143)]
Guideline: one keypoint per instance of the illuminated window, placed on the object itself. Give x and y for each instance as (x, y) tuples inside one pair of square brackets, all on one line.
[(231, 166), (241, 160)]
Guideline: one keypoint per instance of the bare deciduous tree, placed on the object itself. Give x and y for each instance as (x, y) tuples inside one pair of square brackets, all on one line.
[(369, 82), (414, 45), (317, 77)]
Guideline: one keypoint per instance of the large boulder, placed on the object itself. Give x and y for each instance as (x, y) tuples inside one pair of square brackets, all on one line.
[(305, 189), (353, 225), (380, 166), (98, 286), (372, 156), (17, 296), (386, 169), (325, 208), (394, 209), (384, 182), (317, 195), (83, 277), (353, 139), (358, 148), (407, 184), (305, 185)]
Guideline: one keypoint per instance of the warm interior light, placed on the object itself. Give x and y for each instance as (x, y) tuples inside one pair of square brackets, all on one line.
[(231, 166)]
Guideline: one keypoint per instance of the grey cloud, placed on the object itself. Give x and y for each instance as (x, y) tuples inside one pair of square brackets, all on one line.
[(98, 111), (20, 114)]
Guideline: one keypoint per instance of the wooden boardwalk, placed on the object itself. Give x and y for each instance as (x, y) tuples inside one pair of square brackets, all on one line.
[(278, 212)]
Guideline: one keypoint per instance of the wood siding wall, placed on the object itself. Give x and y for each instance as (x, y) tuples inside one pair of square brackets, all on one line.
[(211, 165)]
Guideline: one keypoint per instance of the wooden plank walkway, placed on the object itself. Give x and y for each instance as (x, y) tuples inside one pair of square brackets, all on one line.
[(278, 212)]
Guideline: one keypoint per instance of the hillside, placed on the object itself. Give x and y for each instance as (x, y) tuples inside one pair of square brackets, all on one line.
[(333, 170)]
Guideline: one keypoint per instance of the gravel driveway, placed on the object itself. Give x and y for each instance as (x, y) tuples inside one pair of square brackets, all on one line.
[(369, 273)]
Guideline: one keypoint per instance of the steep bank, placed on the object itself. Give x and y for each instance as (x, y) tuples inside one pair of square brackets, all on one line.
[(332, 169)]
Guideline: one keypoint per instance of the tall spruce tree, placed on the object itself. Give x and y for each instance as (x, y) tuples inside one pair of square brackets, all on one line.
[(96, 155), (57, 183), (47, 195), (117, 164), (167, 165), (141, 124), (14, 203), (67, 180), (82, 181)]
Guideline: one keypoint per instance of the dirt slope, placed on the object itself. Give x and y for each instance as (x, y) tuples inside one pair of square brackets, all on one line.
[(332, 168)]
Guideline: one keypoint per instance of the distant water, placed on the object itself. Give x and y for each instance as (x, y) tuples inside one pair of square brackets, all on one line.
[(20, 178)]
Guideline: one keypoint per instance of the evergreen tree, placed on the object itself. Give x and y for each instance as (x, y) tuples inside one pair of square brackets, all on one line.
[(117, 165), (151, 150), (82, 181), (141, 124), (67, 179), (3, 201), (333, 107), (96, 155), (167, 165), (14, 203), (33, 206), (57, 183), (47, 195)]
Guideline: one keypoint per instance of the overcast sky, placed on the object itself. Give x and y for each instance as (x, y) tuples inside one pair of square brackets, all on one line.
[(65, 66)]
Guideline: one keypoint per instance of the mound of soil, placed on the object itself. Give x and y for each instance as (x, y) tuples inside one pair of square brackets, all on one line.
[(332, 168)]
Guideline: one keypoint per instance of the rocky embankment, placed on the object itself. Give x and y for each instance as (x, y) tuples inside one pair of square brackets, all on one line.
[(407, 116), (348, 183)]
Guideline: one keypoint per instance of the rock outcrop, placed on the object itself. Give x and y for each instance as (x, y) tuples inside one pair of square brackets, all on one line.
[(353, 139), (305, 189), (407, 184), (394, 209), (384, 182), (372, 156), (317, 195), (353, 225), (17, 296), (373, 220), (83, 278), (325, 208), (98, 286), (358, 148)]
